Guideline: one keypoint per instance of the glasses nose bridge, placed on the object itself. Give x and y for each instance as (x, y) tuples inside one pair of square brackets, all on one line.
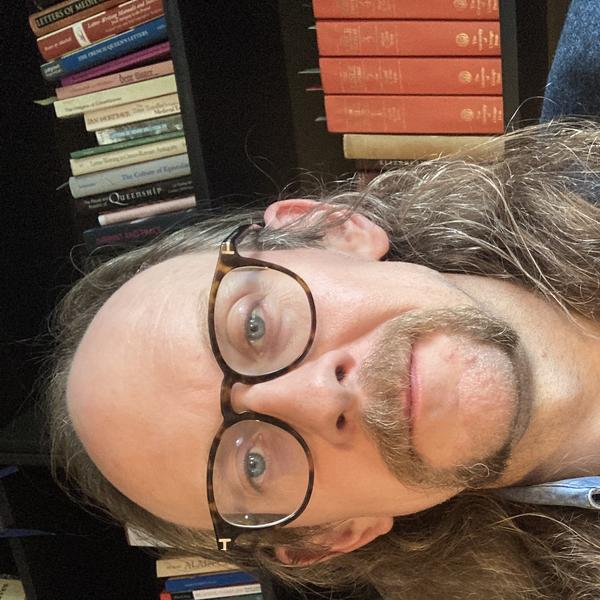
[(310, 393)]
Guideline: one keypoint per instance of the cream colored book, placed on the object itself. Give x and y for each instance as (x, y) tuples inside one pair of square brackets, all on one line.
[(124, 94), (411, 147), (132, 112), (189, 565), (11, 589), (128, 156)]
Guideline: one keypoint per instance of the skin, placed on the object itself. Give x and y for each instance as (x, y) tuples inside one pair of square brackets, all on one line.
[(144, 386)]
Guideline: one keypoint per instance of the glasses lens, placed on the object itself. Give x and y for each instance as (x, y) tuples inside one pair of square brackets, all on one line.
[(260, 476), (262, 320)]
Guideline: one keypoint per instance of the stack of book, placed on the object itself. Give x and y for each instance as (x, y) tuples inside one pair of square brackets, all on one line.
[(195, 578), (187, 577), (109, 63), (408, 79)]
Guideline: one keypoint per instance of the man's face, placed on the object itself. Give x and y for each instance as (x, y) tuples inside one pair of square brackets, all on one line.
[(410, 379)]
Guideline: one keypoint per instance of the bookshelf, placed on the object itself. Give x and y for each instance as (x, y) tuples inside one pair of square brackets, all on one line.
[(250, 128)]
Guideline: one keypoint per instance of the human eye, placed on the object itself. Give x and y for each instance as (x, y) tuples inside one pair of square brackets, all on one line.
[(255, 326), (255, 467), (255, 464)]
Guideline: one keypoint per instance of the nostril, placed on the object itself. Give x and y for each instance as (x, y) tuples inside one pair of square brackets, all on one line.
[(340, 373), (341, 421)]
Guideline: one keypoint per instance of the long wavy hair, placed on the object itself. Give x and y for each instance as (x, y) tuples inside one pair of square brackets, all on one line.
[(524, 212)]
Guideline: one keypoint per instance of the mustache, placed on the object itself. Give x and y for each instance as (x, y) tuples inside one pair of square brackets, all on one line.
[(385, 375)]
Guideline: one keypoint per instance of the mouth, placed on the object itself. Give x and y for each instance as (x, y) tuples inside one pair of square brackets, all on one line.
[(411, 393)]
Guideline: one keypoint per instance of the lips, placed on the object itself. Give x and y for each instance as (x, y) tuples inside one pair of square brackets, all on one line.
[(411, 395)]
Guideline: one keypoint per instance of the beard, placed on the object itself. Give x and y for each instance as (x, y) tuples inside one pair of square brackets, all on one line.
[(385, 374)]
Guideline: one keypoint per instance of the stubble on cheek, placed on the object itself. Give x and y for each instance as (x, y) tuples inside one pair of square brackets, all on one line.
[(385, 377)]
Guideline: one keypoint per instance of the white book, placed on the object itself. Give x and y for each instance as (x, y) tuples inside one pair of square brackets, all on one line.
[(228, 591), (151, 88), (146, 210), (132, 112)]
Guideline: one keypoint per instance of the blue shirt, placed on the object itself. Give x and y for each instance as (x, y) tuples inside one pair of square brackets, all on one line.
[(583, 492)]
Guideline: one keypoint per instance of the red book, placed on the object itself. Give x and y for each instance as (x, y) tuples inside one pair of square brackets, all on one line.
[(66, 13), (100, 26), (406, 9), (414, 114), (408, 38), (430, 76)]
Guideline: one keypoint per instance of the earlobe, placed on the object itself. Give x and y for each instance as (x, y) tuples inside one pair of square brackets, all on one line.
[(345, 537), (356, 235)]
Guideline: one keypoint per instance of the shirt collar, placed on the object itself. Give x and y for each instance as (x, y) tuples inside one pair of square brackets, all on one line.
[(582, 492)]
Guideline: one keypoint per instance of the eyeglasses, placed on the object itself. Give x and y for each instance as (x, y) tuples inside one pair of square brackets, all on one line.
[(261, 324)]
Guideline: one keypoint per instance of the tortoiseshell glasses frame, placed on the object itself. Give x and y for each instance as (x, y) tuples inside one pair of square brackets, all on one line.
[(229, 259)]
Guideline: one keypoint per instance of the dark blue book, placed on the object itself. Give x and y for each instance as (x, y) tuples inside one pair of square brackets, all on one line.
[(190, 596), (209, 580), (113, 47)]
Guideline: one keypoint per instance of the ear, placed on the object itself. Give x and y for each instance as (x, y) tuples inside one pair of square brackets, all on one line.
[(339, 539), (357, 235)]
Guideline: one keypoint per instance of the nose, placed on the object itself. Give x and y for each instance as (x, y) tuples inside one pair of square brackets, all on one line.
[(317, 397)]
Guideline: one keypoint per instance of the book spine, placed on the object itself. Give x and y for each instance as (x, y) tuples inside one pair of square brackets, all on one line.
[(135, 58), (406, 9), (414, 114), (125, 198), (94, 150), (110, 48), (147, 210), (408, 38), (209, 581), (100, 26), (138, 232), (465, 76), (189, 565), (193, 595), (129, 156), (124, 94), (65, 13), (129, 176), (143, 129), (132, 112), (182, 596), (235, 591), (375, 149), (128, 77)]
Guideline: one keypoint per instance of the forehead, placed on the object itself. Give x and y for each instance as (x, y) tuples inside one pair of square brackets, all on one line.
[(143, 388)]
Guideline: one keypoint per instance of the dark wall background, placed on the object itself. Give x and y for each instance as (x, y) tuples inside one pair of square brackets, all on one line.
[(35, 222)]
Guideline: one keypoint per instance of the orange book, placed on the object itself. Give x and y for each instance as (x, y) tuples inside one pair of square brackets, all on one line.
[(414, 114), (406, 9), (408, 38), (430, 76)]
